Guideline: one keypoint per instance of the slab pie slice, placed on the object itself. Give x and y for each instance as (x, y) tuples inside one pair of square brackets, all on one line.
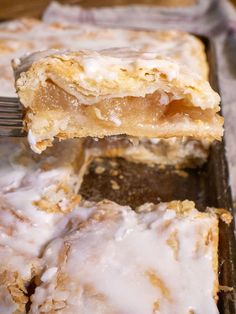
[(114, 91), (38, 197), (161, 259)]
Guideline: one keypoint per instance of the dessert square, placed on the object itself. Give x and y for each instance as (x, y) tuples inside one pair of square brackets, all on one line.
[(38, 197), (114, 92), (159, 259)]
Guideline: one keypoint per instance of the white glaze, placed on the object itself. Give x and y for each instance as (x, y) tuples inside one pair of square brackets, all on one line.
[(25, 229), (107, 265), (22, 36)]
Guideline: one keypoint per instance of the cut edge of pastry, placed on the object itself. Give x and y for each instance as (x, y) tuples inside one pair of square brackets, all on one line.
[(178, 152)]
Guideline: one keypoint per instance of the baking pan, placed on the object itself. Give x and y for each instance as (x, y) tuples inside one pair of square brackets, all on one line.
[(133, 184)]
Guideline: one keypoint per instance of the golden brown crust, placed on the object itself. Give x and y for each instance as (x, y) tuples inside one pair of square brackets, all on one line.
[(27, 35), (15, 290)]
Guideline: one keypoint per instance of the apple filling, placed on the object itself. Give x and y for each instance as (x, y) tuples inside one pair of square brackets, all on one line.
[(136, 116)]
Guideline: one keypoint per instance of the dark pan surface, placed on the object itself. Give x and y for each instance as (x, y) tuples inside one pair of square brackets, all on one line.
[(134, 184)]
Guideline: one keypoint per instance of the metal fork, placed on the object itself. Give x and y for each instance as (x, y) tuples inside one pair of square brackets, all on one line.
[(11, 113)]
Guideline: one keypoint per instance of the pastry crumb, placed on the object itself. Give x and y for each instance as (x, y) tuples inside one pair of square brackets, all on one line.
[(226, 288), (114, 172), (181, 173), (223, 214), (99, 170), (115, 185), (113, 163)]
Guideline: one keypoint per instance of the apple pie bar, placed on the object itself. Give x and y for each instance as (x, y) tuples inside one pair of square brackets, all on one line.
[(157, 259), (114, 91), (38, 195)]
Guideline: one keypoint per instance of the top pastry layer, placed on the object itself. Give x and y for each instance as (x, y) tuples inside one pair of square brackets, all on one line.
[(28, 35), (93, 76), (113, 91)]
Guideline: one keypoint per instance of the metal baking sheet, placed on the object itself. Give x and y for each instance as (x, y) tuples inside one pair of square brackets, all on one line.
[(133, 184)]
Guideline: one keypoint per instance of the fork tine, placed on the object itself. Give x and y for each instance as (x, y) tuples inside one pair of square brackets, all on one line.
[(11, 124), (10, 105), (9, 100), (10, 115), (10, 111)]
